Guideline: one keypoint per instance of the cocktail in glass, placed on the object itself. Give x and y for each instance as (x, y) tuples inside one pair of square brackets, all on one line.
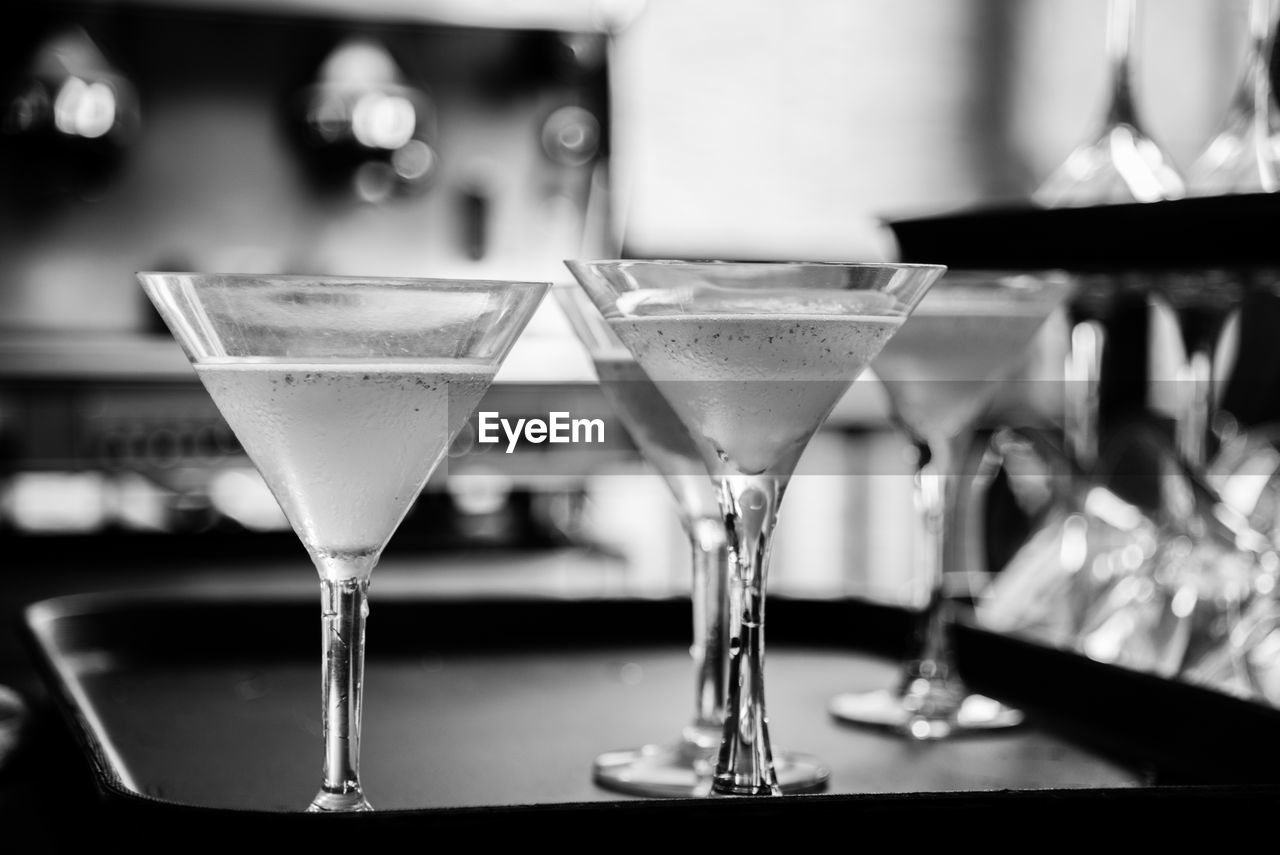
[(684, 766), (940, 372), (752, 357), (345, 393)]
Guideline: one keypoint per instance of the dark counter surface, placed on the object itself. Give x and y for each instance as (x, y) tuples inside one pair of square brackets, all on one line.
[(49, 780)]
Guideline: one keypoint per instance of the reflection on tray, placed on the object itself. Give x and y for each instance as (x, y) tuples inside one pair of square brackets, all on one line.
[(475, 702)]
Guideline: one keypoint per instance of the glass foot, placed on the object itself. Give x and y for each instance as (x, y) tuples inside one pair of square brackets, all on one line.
[(684, 770), (349, 802), (924, 712), (800, 773)]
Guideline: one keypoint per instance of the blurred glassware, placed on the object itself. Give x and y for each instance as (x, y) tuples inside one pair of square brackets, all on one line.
[(74, 91), (1123, 163), (1143, 615), (940, 372), (1182, 602), (1169, 612), (1244, 156), (1082, 536), (697, 329), (1100, 576), (1169, 597), (1043, 591), (683, 767), (1094, 303), (365, 128), (70, 117), (1247, 664), (1202, 302), (1083, 374), (1243, 469), (13, 717), (1246, 474)]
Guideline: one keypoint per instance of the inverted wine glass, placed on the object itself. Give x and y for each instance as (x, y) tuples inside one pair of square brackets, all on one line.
[(1122, 163), (1097, 300), (1246, 474), (1243, 157), (1247, 663), (1167, 612), (682, 767), (752, 357), (1076, 520), (940, 372), (1202, 302), (1083, 536), (345, 393), (1131, 622)]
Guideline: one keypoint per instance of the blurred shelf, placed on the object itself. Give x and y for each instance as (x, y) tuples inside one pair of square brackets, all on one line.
[(547, 367), (1184, 234), (563, 15), (91, 356), (145, 358)]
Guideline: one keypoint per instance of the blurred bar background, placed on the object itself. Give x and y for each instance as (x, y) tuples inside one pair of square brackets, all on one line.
[(494, 139)]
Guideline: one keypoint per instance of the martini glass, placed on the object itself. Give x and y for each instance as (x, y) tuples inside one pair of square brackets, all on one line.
[(345, 393), (682, 767), (940, 372), (752, 357), (1122, 164)]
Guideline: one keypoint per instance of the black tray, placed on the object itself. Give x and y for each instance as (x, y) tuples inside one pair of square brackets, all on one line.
[(1185, 234), (483, 716)]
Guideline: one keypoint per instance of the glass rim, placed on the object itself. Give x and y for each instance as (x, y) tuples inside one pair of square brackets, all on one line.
[(318, 279), (672, 262), (1001, 280)]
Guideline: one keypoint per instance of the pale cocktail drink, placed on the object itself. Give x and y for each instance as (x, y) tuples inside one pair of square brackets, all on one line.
[(751, 389), (345, 447), (345, 393), (941, 371), (681, 767), (752, 357), (754, 388), (939, 368)]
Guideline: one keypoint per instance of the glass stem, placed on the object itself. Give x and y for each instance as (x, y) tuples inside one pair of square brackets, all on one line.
[(710, 630), (1195, 392), (1122, 26), (938, 503), (1258, 72), (345, 605), (745, 765), (1084, 384)]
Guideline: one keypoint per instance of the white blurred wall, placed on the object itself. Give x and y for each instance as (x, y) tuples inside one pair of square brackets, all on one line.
[(763, 128)]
